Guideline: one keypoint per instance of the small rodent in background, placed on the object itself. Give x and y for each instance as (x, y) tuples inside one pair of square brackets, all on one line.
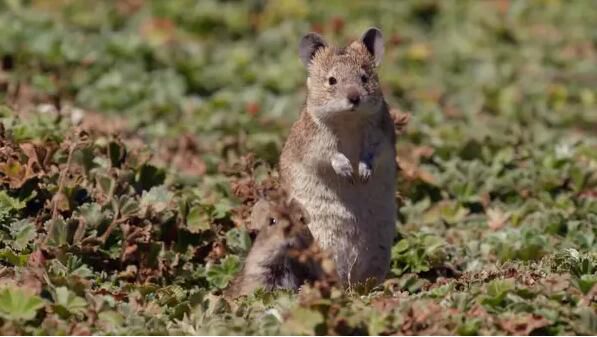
[(284, 254)]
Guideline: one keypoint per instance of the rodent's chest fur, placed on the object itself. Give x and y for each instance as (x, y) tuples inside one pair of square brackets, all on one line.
[(342, 137), (355, 222), (312, 142)]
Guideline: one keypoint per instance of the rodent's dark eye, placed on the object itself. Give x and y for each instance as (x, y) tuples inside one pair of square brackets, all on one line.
[(272, 221), (332, 80), (364, 78)]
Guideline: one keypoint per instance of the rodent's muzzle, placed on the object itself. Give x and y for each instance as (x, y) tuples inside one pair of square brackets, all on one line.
[(353, 96)]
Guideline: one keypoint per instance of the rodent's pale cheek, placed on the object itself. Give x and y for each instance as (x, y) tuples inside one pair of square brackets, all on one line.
[(329, 89)]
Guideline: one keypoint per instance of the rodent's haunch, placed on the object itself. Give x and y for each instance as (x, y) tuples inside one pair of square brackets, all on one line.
[(339, 158)]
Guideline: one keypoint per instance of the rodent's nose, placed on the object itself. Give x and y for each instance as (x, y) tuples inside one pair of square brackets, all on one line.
[(354, 97)]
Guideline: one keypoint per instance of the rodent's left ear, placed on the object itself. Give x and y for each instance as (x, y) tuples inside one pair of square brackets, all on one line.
[(310, 43), (373, 41), (259, 215)]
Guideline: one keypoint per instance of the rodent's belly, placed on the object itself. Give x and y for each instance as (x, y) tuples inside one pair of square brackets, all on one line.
[(356, 223)]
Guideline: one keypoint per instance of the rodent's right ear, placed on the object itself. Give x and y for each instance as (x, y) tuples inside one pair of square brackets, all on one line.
[(309, 45), (373, 41), (299, 212)]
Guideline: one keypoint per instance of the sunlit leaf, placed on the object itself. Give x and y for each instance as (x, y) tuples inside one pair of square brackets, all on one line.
[(16, 304)]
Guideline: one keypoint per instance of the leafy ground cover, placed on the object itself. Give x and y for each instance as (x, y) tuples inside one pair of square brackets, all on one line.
[(135, 135)]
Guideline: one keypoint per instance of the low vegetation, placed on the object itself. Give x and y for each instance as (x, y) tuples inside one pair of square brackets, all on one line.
[(135, 136)]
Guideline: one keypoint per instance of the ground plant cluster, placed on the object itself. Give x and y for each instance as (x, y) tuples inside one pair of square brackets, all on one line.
[(135, 135)]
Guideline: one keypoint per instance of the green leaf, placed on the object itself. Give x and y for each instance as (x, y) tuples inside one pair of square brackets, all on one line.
[(111, 319), (469, 328), (377, 324), (18, 305), (500, 287), (106, 184), (221, 274), (13, 258), (57, 230), (170, 295), (303, 321), (197, 220), (128, 206), (587, 320), (238, 240), (22, 232), (9, 205), (418, 253), (76, 267), (587, 282), (93, 215), (222, 209), (158, 199), (401, 247), (66, 303), (497, 291)]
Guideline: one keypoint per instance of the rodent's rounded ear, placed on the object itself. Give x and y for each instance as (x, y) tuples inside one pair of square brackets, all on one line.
[(310, 43), (259, 215), (373, 41), (298, 211)]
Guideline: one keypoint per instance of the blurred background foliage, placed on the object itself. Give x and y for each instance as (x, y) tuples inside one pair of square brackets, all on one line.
[(498, 163)]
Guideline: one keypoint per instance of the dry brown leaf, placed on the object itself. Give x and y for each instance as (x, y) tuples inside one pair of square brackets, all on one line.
[(400, 120), (522, 324)]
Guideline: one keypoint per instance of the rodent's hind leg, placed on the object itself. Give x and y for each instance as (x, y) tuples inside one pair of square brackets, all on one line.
[(342, 166)]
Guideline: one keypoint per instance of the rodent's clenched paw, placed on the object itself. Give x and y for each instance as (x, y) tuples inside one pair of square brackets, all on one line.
[(342, 166), (365, 171)]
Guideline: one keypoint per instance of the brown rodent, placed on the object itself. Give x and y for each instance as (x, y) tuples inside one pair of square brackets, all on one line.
[(282, 255), (339, 158)]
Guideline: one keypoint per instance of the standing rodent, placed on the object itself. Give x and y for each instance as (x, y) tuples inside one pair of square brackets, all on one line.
[(339, 159), (280, 257)]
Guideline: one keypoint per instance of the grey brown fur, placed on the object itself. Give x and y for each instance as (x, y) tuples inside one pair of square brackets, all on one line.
[(275, 260), (339, 159)]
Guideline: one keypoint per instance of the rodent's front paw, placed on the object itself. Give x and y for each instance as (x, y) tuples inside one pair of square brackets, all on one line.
[(365, 171), (342, 166)]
